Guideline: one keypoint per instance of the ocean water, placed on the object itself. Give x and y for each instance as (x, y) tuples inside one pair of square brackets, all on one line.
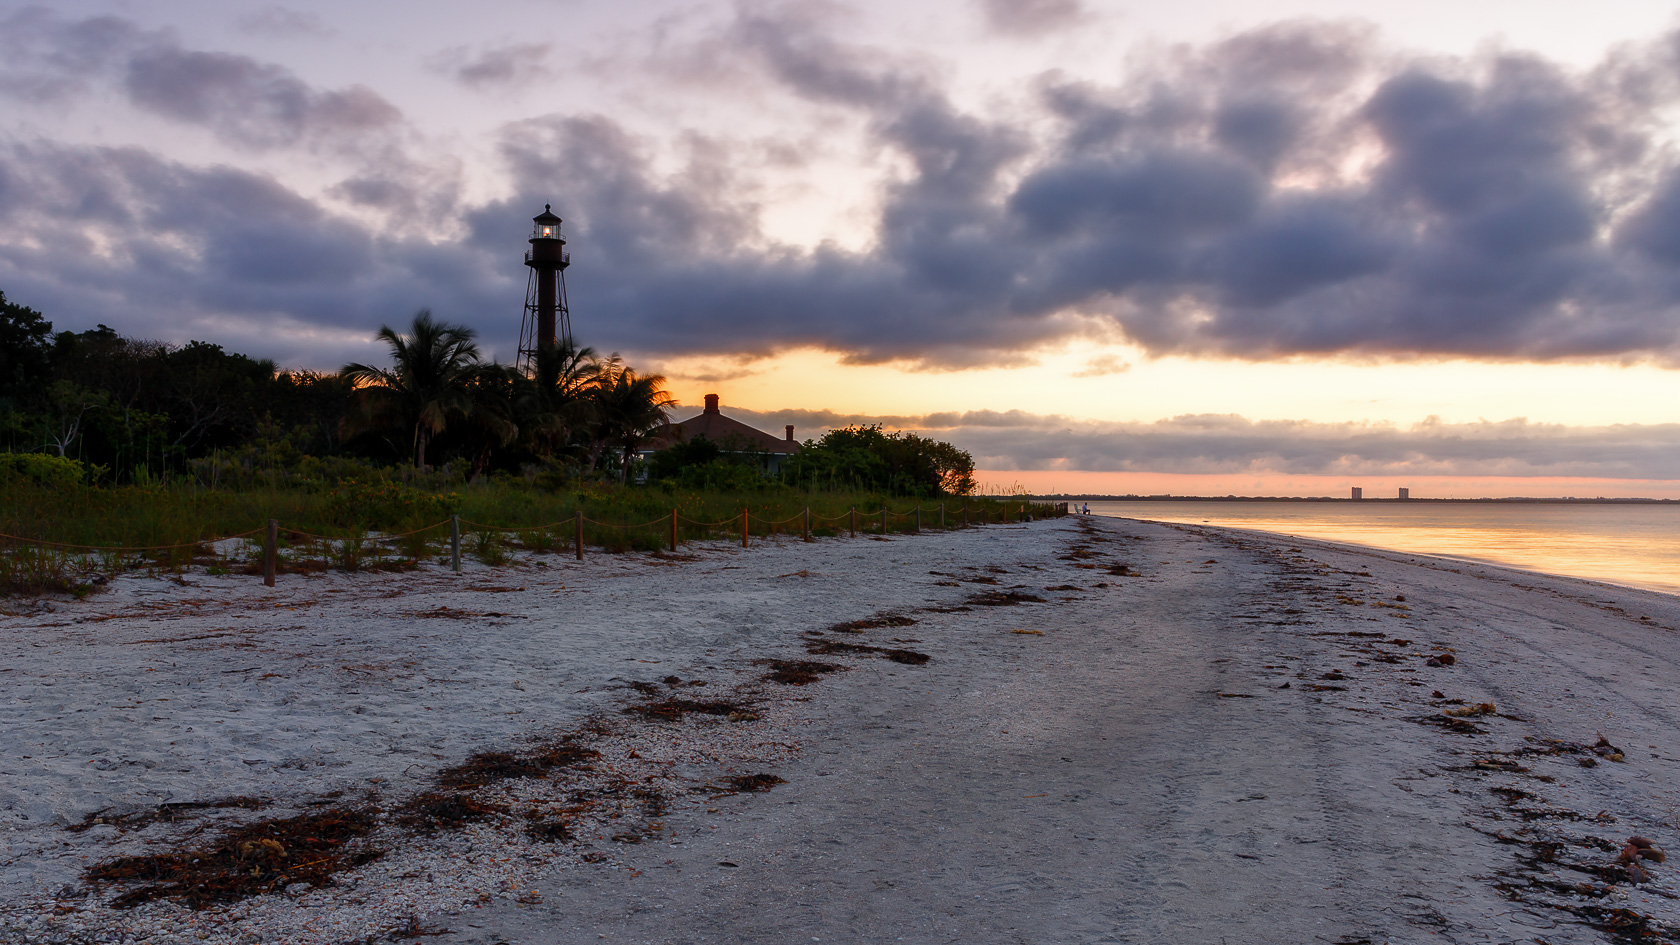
[(1634, 545)]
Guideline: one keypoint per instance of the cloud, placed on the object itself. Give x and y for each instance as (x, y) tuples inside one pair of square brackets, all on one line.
[(1292, 190), (1103, 366), (1299, 189), (273, 21), (1231, 444), (49, 59), (181, 251), (1031, 17), (250, 103), (240, 100), (498, 67)]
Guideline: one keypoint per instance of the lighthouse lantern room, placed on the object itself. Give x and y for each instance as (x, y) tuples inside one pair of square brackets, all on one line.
[(547, 323)]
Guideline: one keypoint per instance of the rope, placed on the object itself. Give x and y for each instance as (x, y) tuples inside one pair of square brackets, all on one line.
[(185, 544), (658, 521), (727, 521), (304, 534), (517, 528)]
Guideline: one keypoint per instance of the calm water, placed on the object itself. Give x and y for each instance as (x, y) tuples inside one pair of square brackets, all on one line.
[(1637, 545)]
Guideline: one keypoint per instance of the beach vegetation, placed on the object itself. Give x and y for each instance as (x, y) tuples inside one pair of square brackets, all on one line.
[(120, 453), (432, 382), (629, 408), (867, 457)]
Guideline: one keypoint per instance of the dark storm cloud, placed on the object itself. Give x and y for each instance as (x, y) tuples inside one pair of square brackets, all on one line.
[(1228, 444), (1291, 190), (165, 250), (240, 100), (1288, 191), (248, 102)]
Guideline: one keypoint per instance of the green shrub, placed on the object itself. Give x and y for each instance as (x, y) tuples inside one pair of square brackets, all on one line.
[(488, 547), (42, 469), (28, 571), (357, 503)]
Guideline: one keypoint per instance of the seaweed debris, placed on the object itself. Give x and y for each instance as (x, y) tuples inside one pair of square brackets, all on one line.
[(489, 767), (753, 782), (1004, 598), (1458, 726), (870, 623), (247, 861), (672, 710), (832, 647), (164, 813), (549, 831), (1537, 883), (798, 672), (444, 810)]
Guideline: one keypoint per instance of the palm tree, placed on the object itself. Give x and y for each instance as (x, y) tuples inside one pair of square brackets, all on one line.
[(429, 384), (629, 406), (553, 403), (490, 422)]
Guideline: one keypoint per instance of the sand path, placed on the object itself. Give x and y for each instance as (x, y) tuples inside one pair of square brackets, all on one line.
[(1137, 773)]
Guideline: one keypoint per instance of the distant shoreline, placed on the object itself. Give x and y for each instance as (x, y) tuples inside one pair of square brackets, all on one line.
[(1513, 500)]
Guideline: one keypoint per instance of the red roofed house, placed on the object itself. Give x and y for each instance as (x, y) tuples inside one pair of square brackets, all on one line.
[(732, 436)]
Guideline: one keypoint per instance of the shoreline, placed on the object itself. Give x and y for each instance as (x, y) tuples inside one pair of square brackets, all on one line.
[(1376, 500), (1416, 558), (1220, 745)]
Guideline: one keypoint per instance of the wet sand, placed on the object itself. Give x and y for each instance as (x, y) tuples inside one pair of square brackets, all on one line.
[(1231, 745)]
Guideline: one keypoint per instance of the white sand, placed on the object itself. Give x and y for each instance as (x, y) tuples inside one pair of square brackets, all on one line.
[(1090, 784)]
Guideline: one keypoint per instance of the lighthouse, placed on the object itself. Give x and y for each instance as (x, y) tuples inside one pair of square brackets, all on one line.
[(547, 322)]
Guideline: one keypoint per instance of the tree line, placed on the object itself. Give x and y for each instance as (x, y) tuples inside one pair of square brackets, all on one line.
[(141, 411)]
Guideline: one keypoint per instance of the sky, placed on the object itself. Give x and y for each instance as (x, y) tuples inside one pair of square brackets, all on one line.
[(1277, 247)]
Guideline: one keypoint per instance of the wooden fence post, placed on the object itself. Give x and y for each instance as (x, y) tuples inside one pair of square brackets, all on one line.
[(854, 521), (673, 530), (918, 518), (455, 543), (271, 551), (579, 538), (883, 519), (743, 527), (807, 523)]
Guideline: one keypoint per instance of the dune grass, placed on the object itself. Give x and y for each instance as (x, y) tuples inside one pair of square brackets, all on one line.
[(356, 525)]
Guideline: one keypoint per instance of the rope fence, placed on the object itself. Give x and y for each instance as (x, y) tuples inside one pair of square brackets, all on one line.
[(308, 551)]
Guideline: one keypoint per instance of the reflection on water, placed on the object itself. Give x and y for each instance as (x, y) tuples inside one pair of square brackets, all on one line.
[(1637, 545)]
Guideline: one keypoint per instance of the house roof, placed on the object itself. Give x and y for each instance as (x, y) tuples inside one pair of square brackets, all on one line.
[(722, 430)]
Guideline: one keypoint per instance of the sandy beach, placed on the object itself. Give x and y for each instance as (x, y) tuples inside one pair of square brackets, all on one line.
[(1122, 732)]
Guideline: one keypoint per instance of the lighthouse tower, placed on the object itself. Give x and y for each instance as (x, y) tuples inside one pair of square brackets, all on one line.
[(547, 322)]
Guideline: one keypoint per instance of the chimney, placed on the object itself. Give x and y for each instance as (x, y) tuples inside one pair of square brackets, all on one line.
[(790, 432), (711, 403)]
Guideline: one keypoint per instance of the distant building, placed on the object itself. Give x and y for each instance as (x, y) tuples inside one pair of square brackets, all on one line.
[(732, 436), (1405, 493), (1358, 493)]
